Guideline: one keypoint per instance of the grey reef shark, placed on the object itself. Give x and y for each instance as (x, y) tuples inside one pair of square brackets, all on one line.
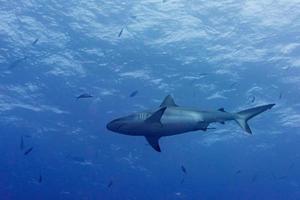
[(170, 119)]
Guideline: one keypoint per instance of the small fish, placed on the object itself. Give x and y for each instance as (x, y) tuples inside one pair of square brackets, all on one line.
[(109, 184), (202, 74), (120, 33), (238, 171), (280, 95), (85, 95), (35, 41), (28, 151), (22, 143), (40, 178), (183, 169), (134, 93), (233, 84)]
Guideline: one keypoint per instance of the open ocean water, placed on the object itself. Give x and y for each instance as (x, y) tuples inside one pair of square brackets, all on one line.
[(126, 56)]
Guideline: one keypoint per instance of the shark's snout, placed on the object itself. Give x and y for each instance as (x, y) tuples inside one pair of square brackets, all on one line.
[(109, 126), (115, 125)]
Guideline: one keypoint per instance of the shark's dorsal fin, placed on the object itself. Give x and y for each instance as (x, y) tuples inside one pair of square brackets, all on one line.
[(156, 116), (153, 141), (168, 102), (221, 109)]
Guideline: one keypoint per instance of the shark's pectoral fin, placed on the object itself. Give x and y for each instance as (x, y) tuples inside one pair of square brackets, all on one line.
[(153, 141), (156, 116), (168, 101)]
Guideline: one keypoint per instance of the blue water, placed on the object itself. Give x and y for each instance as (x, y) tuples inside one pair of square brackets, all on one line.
[(207, 54)]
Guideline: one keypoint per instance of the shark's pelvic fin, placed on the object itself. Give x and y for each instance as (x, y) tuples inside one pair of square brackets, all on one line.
[(156, 116), (168, 102), (242, 117), (153, 141)]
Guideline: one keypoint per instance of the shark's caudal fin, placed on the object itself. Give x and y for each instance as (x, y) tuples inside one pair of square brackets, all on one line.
[(242, 117)]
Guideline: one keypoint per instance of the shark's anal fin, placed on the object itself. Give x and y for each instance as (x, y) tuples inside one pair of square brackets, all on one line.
[(156, 116), (153, 141), (168, 102)]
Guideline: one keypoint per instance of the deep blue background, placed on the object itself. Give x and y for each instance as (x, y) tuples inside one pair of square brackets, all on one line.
[(245, 48)]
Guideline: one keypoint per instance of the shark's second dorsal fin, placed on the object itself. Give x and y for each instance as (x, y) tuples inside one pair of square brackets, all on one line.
[(168, 102), (156, 116), (153, 141)]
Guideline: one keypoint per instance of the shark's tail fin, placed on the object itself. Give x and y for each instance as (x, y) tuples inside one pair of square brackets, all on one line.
[(242, 117)]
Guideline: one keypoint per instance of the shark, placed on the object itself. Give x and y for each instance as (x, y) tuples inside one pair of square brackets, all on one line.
[(170, 119)]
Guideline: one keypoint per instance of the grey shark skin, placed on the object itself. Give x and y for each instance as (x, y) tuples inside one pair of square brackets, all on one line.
[(171, 119)]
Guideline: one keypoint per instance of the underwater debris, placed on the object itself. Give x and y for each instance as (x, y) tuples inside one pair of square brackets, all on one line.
[(28, 151), (121, 32), (84, 96), (134, 93)]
